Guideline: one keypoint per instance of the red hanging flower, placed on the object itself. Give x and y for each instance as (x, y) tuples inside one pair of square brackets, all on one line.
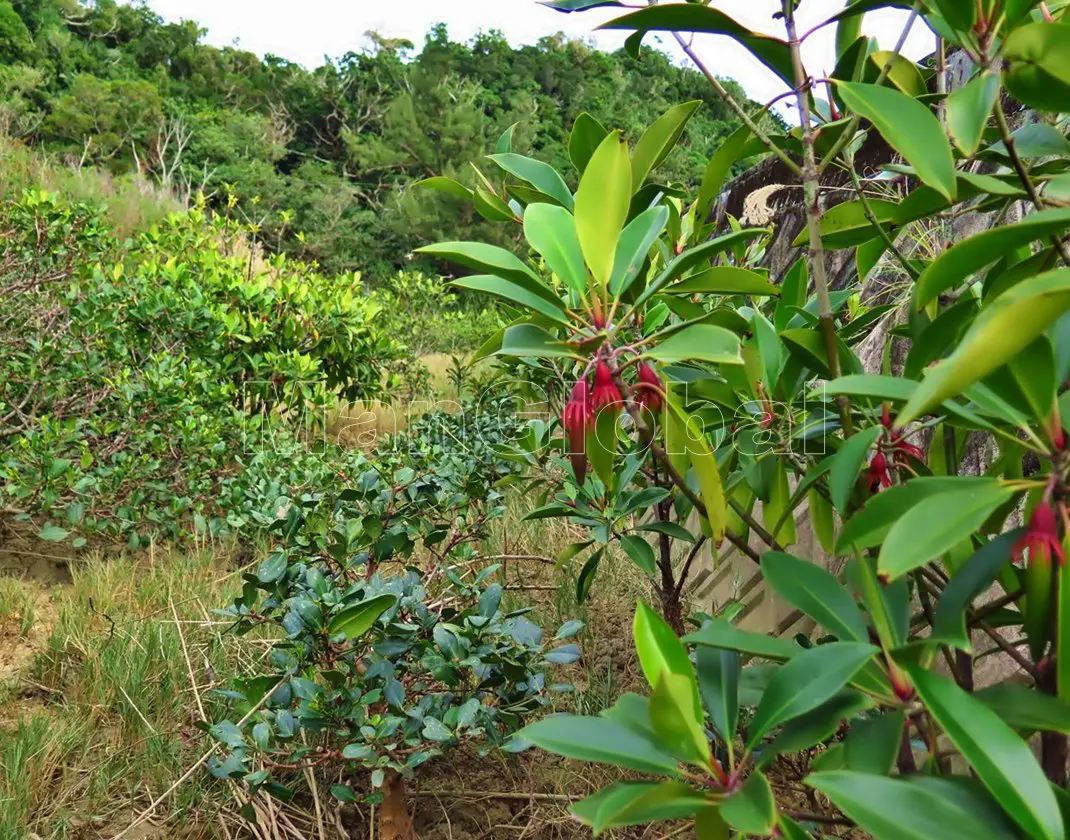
[(606, 392), (878, 476), (1041, 537), (577, 417), (650, 387)]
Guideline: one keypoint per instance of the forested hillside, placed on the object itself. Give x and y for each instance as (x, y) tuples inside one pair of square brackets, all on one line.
[(321, 159)]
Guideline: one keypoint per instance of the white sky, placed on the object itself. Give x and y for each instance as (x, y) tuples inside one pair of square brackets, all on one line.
[(308, 30)]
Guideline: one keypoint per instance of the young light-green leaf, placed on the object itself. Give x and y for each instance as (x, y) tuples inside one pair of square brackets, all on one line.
[(660, 650), (909, 127), (489, 259), (602, 203), (551, 231), (699, 342), (675, 719)]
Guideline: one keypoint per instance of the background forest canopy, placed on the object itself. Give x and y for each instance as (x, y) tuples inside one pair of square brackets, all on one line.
[(319, 161)]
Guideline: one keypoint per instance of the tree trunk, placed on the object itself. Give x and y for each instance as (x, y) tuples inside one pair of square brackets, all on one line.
[(394, 820)]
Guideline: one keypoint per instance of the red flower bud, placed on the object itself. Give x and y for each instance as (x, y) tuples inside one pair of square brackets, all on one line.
[(1041, 538), (577, 418), (650, 387), (877, 475), (606, 392)]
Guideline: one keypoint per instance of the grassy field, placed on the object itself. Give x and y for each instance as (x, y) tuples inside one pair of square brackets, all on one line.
[(105, 678)]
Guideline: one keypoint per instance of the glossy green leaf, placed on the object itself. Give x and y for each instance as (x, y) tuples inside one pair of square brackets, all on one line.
[(491, 206), (541, 176), (847, 465), (872, 745), (635, 803), (817, 725), (908, 809), (514, 292), (356, 620), (1038, 72), (587, 134), (968, 110), (871, 525), (689, 17), (719, 633), (659, 139), (902, 72), (909, 127), (724, 280), (713, 177), (815, 590), (751, 810), (551, 231), (770, 350), (955, 266), (697, 255), (531, 340), (805, 682), (639, 551), (973, 578), (699, 342), (718, 682), (578, 5), (1005, 327), (710, 825), (1001, 759), (602, 203), (600, 740), (488, 259), (635, 242), (1026, 708), (446, 185), (704, 463), (845, 225), (937, 524)]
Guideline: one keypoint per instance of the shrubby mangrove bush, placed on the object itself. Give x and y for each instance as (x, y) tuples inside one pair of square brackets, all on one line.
[(149, 387), (394, 645)]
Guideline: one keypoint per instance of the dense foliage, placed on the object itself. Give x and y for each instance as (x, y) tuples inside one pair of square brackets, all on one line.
[(321, 159), (394, 644), (136, 378), (700, 384)]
